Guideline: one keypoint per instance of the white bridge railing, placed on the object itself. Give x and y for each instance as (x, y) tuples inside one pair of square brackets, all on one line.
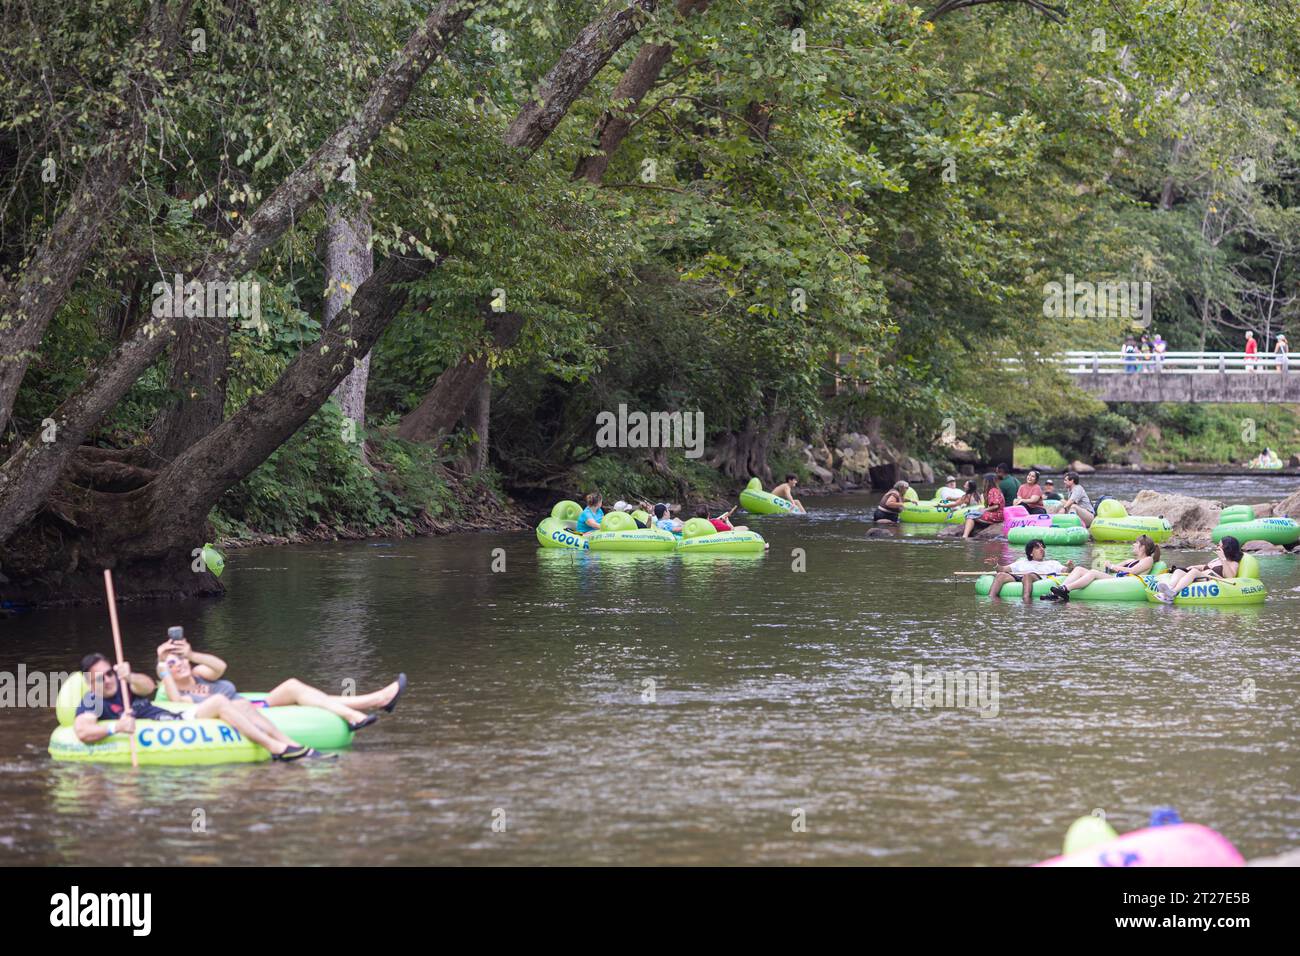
[(1171, 363)]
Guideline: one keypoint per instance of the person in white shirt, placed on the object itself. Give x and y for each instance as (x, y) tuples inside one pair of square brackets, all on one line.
[(1027, 570), (1281, 349), (949, 491)]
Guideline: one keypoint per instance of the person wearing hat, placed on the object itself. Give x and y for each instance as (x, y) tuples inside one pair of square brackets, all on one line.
[(1049, 491), (949, 491), (1280, 349)]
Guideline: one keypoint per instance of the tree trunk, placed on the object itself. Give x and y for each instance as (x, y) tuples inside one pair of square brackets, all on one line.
[(199, 361), (30, 474), (446, 402), (632, 87), (46, 281), (594, 46), (349, 261), (151, 527), (479, 418)]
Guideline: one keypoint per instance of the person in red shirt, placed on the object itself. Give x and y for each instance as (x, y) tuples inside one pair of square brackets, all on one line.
[(994, 502), (1251, 348), (1031, 495), (722, 522)]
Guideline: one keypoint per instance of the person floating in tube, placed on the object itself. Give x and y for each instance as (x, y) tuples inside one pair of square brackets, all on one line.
[(1145, 555), (786, 490), (105, 700), (1027, 570), (592, 515), (189, 675)]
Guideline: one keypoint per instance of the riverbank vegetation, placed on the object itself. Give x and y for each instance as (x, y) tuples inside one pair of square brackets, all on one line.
[(454, 233)]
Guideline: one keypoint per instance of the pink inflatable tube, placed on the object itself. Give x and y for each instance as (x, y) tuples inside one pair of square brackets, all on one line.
[(1017, 517), (1182, 844)]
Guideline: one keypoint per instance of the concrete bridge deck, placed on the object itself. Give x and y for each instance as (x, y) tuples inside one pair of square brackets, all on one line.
[(1207, 377)]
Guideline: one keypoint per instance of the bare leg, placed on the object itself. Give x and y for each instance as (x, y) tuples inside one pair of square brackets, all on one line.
[(970, 524), (224, 709), (1080, 578), (1027, 583), (999, 579), (294, 691)]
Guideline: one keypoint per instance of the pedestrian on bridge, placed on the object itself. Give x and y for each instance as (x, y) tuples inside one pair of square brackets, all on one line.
[(1158, 346), (1252, 349), (1281, 348)]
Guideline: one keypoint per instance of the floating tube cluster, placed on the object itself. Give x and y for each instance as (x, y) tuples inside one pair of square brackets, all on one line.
[(619, 533), (191, 742), (1131, 587)]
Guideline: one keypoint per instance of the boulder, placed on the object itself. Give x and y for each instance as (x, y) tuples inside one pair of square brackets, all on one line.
[(821, 454), (1263, 547), (1288, 507), (960, 453), (1042, 469), (823, 475), (852, 440), (914, 472), (1081, 468), (855, 462), (1187, 515)]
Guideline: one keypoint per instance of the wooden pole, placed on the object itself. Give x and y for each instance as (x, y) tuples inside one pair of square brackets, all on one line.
[(117, 647)]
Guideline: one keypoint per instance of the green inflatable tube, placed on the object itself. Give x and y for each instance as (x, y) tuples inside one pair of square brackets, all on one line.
[(553, 533), (1232, 592), (1128, 588), (1283, 531), (618, 532), (927, 513), (1245, 588), (1049, 536), (310, 726), (1236, 513), (757, 501), (162, 744), (699, 536), (1130, 528)]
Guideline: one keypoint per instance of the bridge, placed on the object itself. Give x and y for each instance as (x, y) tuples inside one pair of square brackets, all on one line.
[(1207, 377)]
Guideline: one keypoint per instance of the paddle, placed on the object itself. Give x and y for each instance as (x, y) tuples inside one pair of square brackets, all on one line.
[(117, 647)]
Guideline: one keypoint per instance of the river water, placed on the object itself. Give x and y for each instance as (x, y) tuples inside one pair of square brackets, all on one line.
[(715, 710)]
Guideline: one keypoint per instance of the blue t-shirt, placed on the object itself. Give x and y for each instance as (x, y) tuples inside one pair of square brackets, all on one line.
[(665, 524), (587, 514)]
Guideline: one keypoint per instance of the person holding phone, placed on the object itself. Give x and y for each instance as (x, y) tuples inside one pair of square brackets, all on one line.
[(188, 675)]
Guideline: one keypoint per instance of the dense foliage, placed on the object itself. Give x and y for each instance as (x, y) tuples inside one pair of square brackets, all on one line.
[(823, 214)]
